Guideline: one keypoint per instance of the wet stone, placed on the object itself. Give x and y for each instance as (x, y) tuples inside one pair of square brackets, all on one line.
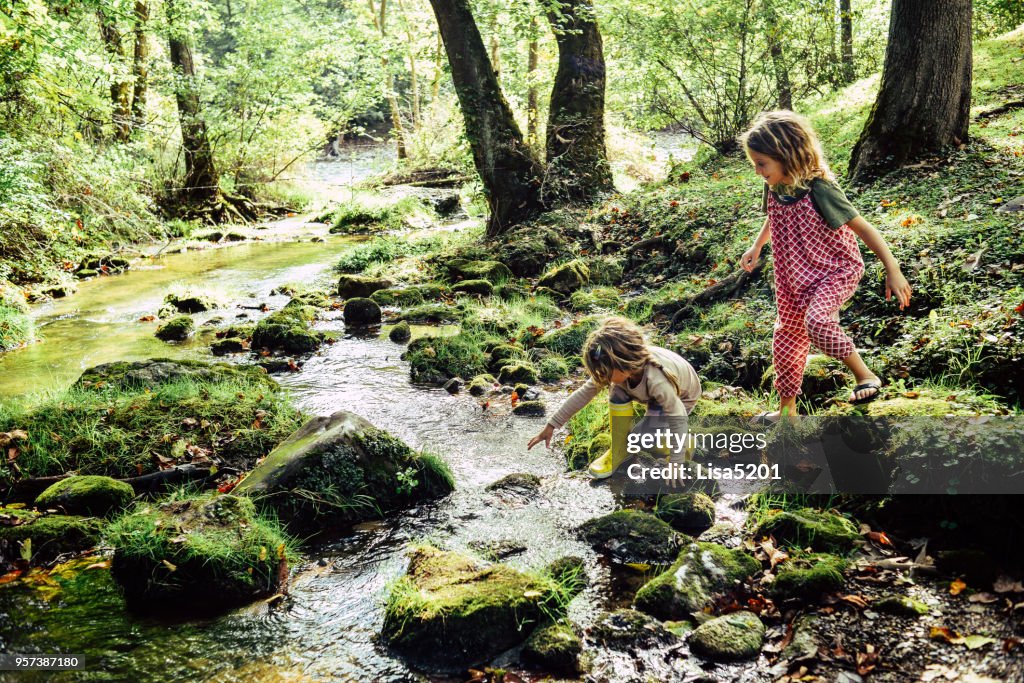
[(360, 286), (360, 311), (517, 482), (400, 333), (554, 648), (90, 495), (454, 385), (690, 513), (529, 409), (178, 328), (821, 531), (808, 578), (629, 536), (735, 636), (629, 629)]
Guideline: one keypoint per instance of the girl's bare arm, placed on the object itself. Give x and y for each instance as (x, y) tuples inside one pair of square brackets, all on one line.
[(750, 257), (895, 284)]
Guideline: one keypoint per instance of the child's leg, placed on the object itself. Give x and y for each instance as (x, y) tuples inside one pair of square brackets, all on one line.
[(789, 355), (824, 331)]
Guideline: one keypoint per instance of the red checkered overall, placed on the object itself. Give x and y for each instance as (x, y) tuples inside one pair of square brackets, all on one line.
[(817, 269)]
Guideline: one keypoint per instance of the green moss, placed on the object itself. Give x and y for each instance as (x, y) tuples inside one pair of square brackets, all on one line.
[(605, 270), (804, 527), (481, 287), (529, 409), (630, 536), (566, 278), (400, 333), (44, 537), (900, 605), (518, 372), (350, 286), (568, 341), (431, 313), (701, 571), (481, 384), (690, 513), (493, 272), (16, 327), (209, 550), (552, 368), (732, 637), (595, 298), (86, 495), (808, 577), (359, 312), (500, 354), (397, 296), (188, 302), (554, 648), (288, 330), (177, 328), (366, 213), (435, 360), (476, 609)]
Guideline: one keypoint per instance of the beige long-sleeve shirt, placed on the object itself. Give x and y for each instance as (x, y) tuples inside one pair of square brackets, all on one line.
[(653, 386)]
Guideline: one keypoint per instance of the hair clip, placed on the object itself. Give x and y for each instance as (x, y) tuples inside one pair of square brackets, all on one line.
[(595, 353)]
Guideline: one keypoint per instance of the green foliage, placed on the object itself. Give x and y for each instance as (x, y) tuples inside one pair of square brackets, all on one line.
[(374, 213)]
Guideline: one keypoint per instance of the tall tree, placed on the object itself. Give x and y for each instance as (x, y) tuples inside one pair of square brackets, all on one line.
[(120, 86), (577, 162), (140, 64), (846, 39), (380, 22), (782, 82), (201, 179), (924, 100), (532, 59), (509, 171)]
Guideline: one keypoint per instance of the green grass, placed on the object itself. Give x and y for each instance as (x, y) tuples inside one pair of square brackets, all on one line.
[(371, 212), (122, 432)]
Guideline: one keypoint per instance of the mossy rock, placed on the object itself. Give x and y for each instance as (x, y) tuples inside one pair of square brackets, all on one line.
[(518, 372), (108, 263), (502, 354), (732, 637), (629, 536), (360, 312), (430, 313), (530, 409), (809, 577), (157, 371), (400, 333), (493, 272), (566, 278), (628, 629), (223, 347), (570, 573), (85, 273), (435, 360), (517, 482), (481, 384), (804, 643), (595, 298), (431, 291), (481, 287), (450, 611), (316, 298), (700, 571), (529, 250), (211, 551), (360, 286), (178, 328), (190, 303), (901, 406), (568, 341), (48, 536), (341, 470), (552, 368), (398, 296), (607, 270), (511, 291), (900, 605), (690, 513), (802, 528), (554, 648), (288, 330), (90, 495)]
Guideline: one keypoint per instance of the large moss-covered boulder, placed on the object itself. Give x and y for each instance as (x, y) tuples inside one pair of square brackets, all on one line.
[(481, 384), (450, 611), (41, 537), (178, 328), (190, 303), (397, 296), (360, 286), (514, 373), (732, 637), (481, 287), (435, 360), (690, 513), (554, 648), (821, 530), (210, 551), (529, 249), (630, 536), (809, 577), (494, 272), (400, 333), (157, 371), (288, 330), (91, 495), (566, 278), (340, 470), (690, 584), (360, 312)]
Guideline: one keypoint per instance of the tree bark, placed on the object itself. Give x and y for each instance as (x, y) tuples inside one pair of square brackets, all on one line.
[(120, 88), (140, 66), (577, 161), (532, 59), (201, 179), (389, 80), (509, 172), (924, 101), (846, 40), (782, 82)]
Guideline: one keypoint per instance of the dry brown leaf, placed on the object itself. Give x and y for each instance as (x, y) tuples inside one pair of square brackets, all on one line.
[(956, 587)]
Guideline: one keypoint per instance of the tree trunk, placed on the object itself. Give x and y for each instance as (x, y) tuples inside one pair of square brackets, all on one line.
[(846, 40), (577, 162), (532, 59), (201, 180), (389, 80), (413, 80), (120, 88), (509, 171), (782, 82), (924, 100), (140, 67)]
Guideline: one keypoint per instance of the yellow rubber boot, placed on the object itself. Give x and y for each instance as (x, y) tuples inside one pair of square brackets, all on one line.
[(618, 414)]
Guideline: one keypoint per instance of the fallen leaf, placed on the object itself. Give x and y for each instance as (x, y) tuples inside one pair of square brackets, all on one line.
[(855, 600), (879, 537), (956, 587), (170, 566), (867, 660), (775, 555), (975, 642), (147, 318)]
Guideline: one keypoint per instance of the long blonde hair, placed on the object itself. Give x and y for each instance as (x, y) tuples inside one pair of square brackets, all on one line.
[(618, 344), (789, 139)]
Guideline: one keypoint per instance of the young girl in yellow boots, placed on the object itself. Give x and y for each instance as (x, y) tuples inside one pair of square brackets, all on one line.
[(813, 229), (616, 356)]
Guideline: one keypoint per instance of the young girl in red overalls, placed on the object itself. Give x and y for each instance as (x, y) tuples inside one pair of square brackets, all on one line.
[(813, 229)]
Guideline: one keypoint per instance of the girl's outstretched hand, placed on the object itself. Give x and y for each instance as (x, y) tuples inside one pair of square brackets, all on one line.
[(897, 285), (749, 259), (544, 435)]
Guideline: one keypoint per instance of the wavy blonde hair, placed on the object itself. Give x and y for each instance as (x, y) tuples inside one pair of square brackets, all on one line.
[(789, 139), (619, 344)]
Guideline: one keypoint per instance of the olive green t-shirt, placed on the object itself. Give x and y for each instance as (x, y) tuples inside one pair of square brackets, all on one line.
[(828, 199)]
